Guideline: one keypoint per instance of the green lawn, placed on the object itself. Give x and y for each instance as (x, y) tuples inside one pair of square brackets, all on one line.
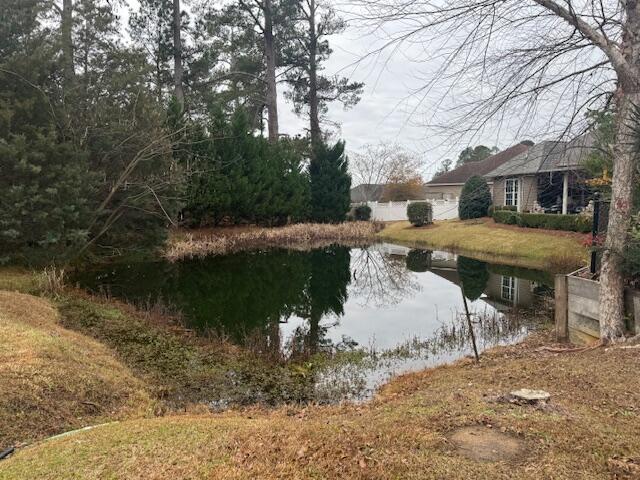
[(558, 251)]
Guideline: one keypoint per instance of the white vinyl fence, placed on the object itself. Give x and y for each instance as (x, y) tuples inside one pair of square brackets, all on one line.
[(395, 211)]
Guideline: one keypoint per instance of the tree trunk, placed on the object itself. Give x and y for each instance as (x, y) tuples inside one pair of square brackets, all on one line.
[(177, 55), (272, 92), (66, 27), (625, 155), (314, 108)]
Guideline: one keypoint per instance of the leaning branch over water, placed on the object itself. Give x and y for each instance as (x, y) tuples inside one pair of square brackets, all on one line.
[(302, 235)]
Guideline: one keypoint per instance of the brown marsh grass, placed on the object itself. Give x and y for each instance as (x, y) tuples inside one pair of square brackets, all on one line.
[(298, 236)]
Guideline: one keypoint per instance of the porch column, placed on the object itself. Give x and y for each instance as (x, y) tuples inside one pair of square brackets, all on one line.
[(565, 193)]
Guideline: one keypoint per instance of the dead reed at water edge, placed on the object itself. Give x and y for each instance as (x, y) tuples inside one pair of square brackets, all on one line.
[(302, 235)]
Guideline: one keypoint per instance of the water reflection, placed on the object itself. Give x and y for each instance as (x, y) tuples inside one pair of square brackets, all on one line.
[(292, 305)]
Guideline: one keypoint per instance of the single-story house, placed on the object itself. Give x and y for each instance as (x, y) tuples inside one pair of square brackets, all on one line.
[(548, 177), (366, 192), (449, 185)]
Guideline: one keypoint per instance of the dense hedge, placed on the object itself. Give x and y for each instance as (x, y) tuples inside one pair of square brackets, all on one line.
[(362, 213), (420, 213), (495, 208), (505, 216), (571, 223)]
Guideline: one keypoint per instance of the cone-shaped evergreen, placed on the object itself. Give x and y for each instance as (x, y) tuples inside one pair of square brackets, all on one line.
[(330, 183), (475, 199)]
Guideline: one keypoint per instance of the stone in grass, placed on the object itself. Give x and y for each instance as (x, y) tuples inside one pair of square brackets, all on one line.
[(530, 396)]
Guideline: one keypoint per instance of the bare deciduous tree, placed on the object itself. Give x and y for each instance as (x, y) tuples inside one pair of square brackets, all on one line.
[(380, 279), (525, 59), (385, 163)]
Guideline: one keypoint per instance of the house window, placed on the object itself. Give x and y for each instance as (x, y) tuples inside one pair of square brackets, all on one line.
[(511, 192), (508, 288)]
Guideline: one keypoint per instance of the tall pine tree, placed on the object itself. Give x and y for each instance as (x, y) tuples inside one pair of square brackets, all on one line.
[(330, 183)]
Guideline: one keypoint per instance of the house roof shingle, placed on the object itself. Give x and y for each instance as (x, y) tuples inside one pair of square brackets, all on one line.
[(460, 175), (366, 192), (547, 156)]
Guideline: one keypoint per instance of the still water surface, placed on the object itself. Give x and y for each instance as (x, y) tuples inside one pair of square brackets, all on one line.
[(399, 309)]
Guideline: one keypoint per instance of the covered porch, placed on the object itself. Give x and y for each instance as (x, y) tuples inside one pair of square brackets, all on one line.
[(563, 192)]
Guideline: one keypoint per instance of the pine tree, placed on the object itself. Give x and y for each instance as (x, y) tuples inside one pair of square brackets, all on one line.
[(330, 183), (242, 177), (46, 188), (312, 92)]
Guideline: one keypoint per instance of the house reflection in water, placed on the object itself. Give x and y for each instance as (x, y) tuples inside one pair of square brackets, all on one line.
[(502, 287), (504, 292)]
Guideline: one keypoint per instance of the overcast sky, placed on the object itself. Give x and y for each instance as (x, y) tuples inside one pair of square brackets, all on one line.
[(391, 109), (395, 107), (394, 110)]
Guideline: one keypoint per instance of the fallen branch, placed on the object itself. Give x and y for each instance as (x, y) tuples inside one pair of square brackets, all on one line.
[(568, 349)]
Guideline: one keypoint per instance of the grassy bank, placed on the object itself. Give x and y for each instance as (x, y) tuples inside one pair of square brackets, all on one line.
[(483, 239), (180, 368), (71, 360), (588, 430), (189, 244), (52, 379)]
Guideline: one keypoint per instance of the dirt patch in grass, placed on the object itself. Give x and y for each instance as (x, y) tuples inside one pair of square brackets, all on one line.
[(406, 432), (485, 444), (52, 379), (483, 239)]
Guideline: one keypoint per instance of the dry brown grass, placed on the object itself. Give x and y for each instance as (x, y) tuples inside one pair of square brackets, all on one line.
[(589, 430), (302, 235), (486, 240), (52, 379)]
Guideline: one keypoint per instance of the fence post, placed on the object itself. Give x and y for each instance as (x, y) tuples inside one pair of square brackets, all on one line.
[(594, 231), (562, 307)]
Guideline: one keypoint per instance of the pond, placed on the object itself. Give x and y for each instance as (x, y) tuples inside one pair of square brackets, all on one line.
[(373, 312)]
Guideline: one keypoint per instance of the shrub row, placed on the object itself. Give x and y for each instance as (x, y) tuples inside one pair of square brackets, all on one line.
[(570, 223), (496, 208)]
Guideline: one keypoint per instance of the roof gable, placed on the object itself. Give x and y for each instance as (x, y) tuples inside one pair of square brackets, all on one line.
[(366, 192), (547, 156), (460, 175)]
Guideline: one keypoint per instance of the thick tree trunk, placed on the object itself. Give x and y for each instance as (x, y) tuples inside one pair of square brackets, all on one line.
[(177, 55), (314, 107), (270, 54), (66, 28), (611, 278), (625, 156)]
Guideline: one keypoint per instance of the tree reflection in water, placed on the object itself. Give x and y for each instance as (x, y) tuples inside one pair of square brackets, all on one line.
[(380, 279), (246, 298)]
